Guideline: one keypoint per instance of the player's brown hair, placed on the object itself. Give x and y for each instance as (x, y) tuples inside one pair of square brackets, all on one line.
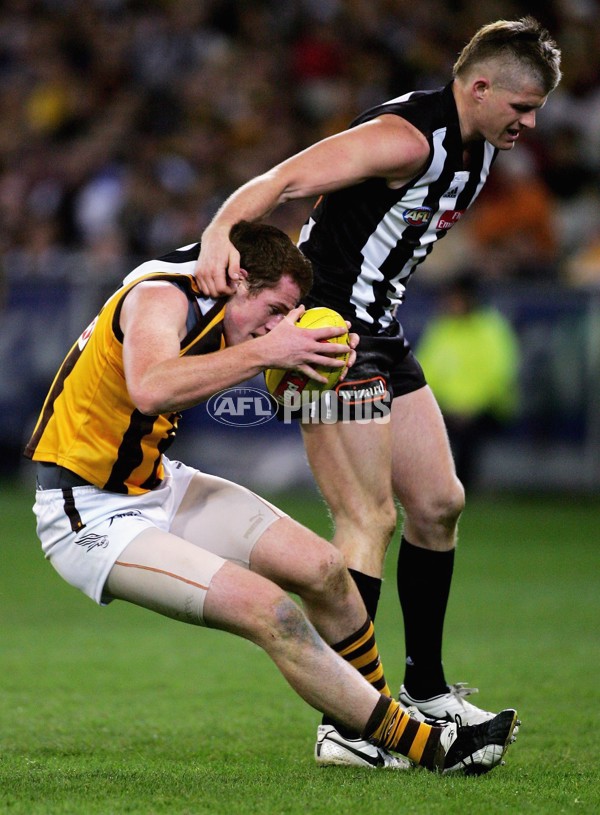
[(524, 41), (267, 254)]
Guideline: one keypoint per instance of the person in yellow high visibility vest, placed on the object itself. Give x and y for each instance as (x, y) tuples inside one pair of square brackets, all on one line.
[(470, 354)]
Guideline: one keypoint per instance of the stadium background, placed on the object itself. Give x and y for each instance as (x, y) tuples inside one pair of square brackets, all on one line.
[(125, 124)]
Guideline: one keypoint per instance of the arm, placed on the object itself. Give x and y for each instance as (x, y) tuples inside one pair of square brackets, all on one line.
[(387, 147), (153, 321)]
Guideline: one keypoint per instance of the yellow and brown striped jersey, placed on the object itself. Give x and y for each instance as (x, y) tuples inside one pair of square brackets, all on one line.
[(88, 423)]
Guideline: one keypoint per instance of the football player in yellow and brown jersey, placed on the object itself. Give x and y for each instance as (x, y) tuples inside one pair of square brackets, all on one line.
[(89, 423), (119, 520)]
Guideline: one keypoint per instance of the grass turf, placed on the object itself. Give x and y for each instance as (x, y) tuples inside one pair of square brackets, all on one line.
[(120, 711)]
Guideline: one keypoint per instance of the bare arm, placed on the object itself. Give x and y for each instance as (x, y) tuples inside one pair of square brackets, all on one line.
[(153, 320), (386, 147)]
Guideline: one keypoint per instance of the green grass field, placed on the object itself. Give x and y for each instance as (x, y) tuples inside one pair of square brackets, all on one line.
[(117, 710)]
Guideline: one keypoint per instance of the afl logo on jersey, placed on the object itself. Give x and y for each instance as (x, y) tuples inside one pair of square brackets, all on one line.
[(419, 216)]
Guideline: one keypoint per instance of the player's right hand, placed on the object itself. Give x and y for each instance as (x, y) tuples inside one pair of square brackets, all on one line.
[(218, 266)]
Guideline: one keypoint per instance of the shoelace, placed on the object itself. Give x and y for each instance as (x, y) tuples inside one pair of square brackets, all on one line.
[(460, 690)]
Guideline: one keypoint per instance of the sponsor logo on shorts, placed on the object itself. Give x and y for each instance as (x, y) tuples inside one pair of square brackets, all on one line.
[(92, 541), (362, 390), (418, 216), (242, 407), (131, 514), (358, 401), (449, 218)]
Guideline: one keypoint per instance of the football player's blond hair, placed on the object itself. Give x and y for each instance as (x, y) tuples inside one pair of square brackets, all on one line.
[(519, 46)]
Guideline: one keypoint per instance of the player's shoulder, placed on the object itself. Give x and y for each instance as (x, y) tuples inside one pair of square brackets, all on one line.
[(403, 105), (399, 146), (424, 110)]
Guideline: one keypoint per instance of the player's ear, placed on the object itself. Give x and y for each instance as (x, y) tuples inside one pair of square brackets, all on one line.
[(241, 277), (479, 88)]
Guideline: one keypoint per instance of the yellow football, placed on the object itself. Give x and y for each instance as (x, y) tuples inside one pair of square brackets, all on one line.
[(283, 384)]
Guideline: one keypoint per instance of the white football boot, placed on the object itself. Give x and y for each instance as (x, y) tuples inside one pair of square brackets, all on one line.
[(446, 706), (332, 749)]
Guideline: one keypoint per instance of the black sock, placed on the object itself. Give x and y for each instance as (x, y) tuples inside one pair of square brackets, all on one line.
[(370, 589), (424, 578)]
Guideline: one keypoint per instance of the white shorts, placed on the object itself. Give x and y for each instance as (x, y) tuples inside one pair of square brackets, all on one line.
[(84, 530)]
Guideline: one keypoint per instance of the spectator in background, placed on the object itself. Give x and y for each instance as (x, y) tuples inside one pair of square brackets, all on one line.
[(570, 177), (515, 225), (86, 86), (470, 355), (583, 267)]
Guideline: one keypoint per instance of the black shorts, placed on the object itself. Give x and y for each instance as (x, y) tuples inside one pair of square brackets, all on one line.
[(385, 368)]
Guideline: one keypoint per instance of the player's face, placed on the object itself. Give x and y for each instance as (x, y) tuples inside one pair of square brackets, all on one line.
[(505, 113), (253, 315)]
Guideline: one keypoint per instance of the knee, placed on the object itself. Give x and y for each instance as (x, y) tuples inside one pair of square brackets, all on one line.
[(441, 509), (373, 521), (332, 578), (452, 504), (328, 576)]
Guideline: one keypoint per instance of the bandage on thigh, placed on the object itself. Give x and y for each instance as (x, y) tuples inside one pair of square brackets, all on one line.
[(166, 574), (223, 517)]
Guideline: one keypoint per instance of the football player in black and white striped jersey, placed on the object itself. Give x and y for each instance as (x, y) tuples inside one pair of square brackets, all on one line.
[(388, 189)]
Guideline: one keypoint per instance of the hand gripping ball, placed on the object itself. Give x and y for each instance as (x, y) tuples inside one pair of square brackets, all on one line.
[(284, 385)]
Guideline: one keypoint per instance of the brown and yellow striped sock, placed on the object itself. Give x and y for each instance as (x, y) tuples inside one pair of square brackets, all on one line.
[(392, 728), (360, 650)]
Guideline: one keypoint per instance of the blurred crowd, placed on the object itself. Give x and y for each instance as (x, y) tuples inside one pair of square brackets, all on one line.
[(125, 123)]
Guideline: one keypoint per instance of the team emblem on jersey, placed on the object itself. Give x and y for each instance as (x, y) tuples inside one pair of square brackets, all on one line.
[(449, 218), (82, 341), (418, 216)]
